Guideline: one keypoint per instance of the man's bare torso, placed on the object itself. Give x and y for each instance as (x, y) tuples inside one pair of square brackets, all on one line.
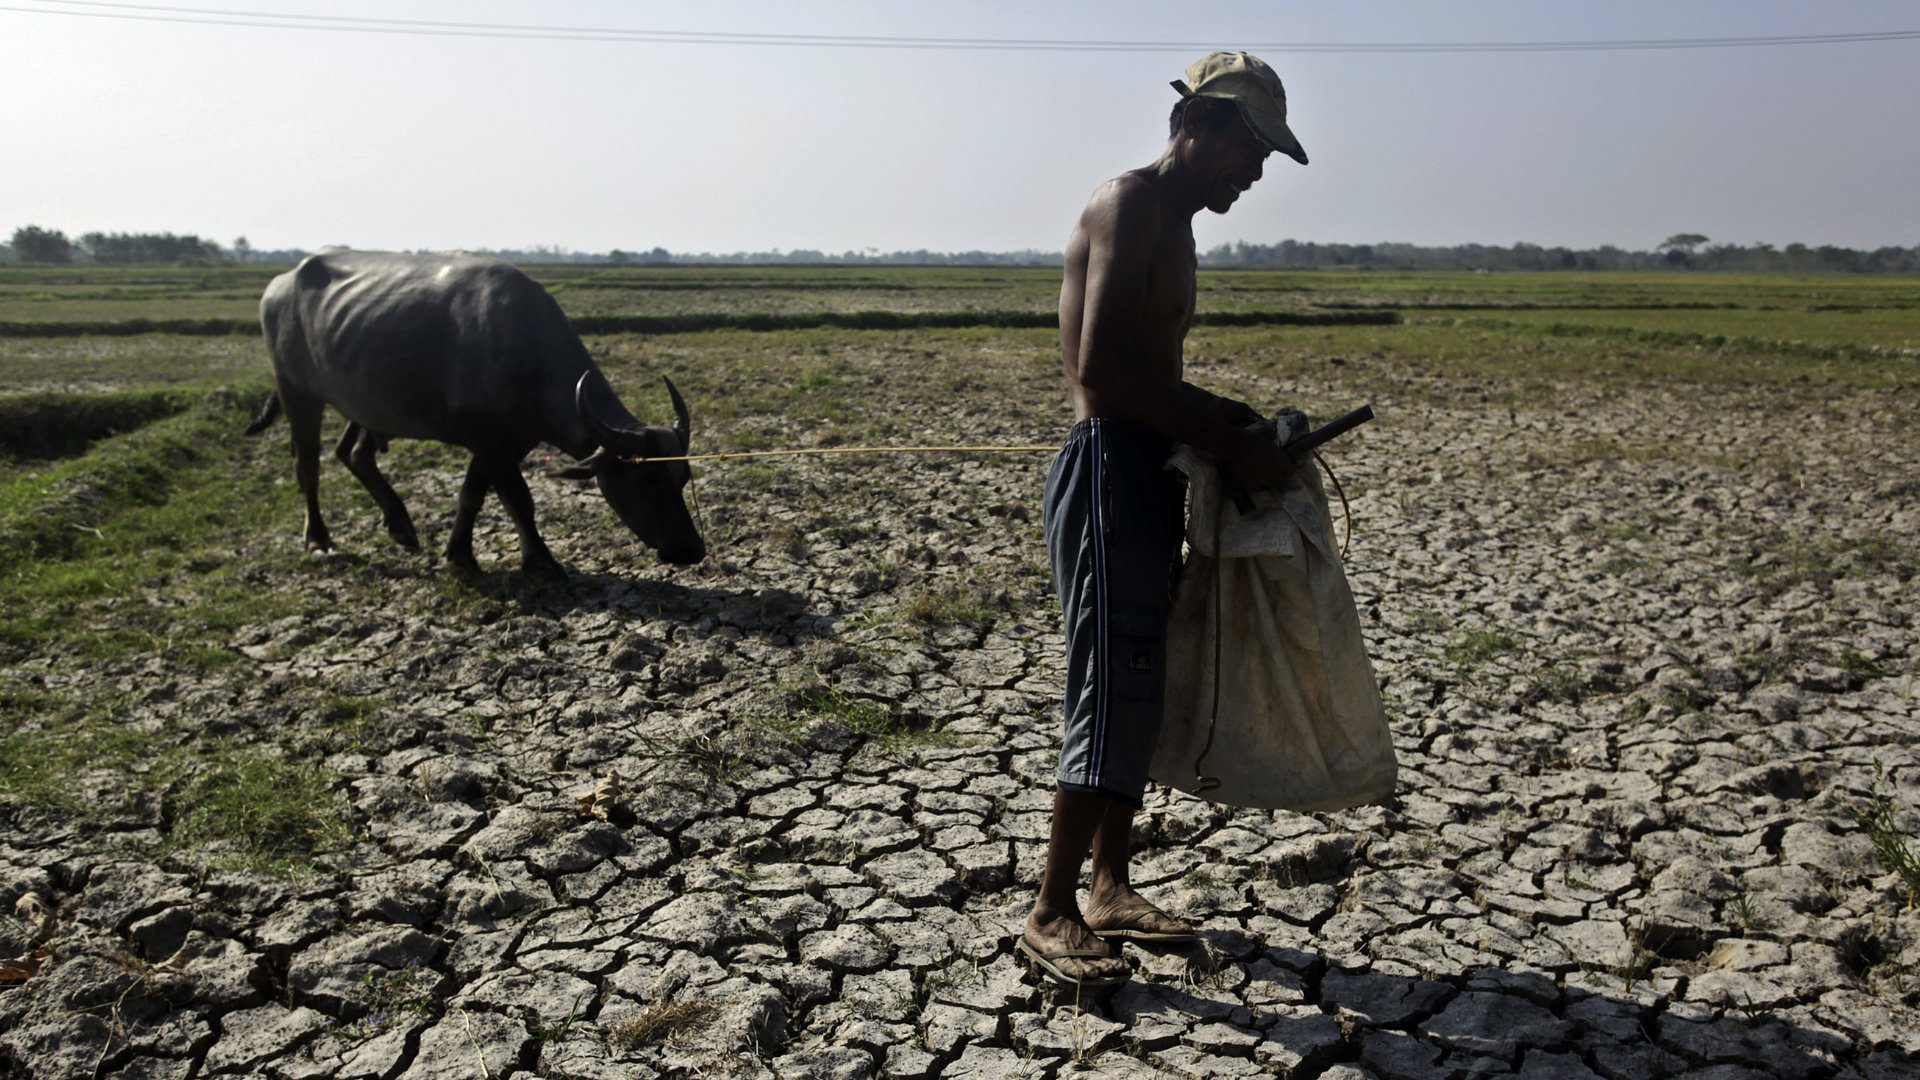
[(1161, 313)]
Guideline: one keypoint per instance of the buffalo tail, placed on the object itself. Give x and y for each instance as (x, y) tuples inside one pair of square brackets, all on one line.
[(268, 414)]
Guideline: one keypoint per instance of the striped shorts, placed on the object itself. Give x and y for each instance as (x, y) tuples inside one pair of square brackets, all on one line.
[(1114, 517)]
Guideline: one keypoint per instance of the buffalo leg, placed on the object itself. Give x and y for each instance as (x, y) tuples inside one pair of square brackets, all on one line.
[(358, 450), (473, 492), (535, 559), (303, 420)]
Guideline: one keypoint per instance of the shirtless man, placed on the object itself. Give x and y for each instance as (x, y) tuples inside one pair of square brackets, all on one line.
[(1113, 516)]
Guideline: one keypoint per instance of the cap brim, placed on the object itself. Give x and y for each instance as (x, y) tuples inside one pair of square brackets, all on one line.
[(1273, 131)]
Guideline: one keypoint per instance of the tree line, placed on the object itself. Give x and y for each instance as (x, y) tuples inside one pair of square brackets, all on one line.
[(1682, 251), (31, 243), (34, 244)]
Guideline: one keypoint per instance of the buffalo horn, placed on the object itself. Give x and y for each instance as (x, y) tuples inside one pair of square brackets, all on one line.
[(624, 443), (682, 420)]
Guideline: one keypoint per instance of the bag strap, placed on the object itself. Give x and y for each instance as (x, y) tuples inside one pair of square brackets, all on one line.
[(1202, 783)]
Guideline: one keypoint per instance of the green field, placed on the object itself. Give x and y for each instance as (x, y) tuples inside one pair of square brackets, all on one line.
[(140, 531), (1832, 309), (86, 404)]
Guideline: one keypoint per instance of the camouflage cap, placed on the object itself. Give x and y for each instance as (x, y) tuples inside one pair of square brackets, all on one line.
[(1251, 85)]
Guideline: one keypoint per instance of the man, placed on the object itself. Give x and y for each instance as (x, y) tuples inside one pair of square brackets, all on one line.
[(1113, 515)]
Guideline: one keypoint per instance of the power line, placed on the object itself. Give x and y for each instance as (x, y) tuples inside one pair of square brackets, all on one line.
[(104, 9)]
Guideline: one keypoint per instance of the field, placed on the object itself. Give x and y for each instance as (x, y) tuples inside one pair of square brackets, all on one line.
[(1635, 557)]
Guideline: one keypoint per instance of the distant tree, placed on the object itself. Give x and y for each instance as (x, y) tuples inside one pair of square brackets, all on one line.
[(617, 257), (242, 251), (31, 243), (1685, 241)]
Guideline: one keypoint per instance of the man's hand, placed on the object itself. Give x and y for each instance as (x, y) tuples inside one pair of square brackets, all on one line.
[(1257, 463)]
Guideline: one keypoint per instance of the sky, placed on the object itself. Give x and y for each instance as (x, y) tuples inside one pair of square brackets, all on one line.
[(296, 138)]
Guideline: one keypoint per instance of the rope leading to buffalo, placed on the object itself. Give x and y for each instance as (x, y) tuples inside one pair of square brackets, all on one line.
[(847, 450), (1346, 511)]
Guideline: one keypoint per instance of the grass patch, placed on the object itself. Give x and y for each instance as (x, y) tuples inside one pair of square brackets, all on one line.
[(234, 806), (48, 743), (1555, 684), (52, 425), (964, 602), (815, 380), (1477, 647), (390, 999), (252, 810), (863, 716), (1784, 562), (659, 1023), (707, 755), (1881, 815), (867, 718), (87, 546), (847, 534)]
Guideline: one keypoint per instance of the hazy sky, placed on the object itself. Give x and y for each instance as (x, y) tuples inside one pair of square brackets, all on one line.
[(297, 138)]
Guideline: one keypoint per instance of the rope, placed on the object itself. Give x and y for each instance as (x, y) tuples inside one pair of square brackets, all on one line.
[(1346, 512), (1202, 783), (848, 450)]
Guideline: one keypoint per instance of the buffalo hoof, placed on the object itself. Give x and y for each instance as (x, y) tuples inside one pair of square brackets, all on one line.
[(463, 561), (544, 571), (407, 540)]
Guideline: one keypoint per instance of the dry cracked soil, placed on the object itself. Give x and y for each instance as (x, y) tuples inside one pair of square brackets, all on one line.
[(1647, 656)]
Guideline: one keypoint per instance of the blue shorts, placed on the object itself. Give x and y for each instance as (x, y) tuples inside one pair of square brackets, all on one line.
[(1114, 517)]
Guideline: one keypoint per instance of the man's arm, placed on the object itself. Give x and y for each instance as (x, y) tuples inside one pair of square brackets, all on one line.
[(1224, 409), (1122, 226)]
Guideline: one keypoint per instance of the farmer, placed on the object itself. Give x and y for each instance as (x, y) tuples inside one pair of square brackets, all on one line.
[(1113, 515)]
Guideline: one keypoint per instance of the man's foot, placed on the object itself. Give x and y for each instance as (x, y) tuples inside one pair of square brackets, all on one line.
[(1069, 952), (1130, 915)]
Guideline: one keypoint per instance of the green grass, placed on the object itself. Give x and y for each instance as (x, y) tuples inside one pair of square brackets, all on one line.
[(1886, 822), (47, 742), (863, 716), (1477, 647), (162, 531), (82, 541), (245, 808), (867, 718), (52, 425), (963, 602), (139, 363), (225, 804)]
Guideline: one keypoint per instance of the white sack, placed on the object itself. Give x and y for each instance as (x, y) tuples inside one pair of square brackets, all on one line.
[(1300, 724)]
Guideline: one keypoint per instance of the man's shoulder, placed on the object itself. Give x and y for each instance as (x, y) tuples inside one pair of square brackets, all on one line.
[(1128, 189), (1128, 203)]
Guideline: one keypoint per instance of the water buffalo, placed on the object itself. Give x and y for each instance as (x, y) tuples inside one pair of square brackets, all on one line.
[(468, 350)]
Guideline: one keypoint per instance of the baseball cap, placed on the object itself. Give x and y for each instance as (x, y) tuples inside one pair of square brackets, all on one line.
[(1251, 85)]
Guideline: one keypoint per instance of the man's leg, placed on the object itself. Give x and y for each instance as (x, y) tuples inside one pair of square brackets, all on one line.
[(1080, 823), (1112, 905)]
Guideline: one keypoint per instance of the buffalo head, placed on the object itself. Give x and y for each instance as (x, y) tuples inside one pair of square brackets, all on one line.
[(645, 495)]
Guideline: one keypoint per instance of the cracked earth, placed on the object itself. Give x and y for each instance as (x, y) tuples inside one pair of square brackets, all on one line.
[(1641, 652)]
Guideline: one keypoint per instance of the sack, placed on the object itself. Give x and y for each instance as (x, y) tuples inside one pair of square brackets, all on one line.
[(1270, 699)]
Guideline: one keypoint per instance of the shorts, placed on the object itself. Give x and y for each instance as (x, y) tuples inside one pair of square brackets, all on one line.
[(1114, 517)]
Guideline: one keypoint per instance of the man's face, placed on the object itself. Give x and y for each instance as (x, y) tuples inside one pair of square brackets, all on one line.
[(1230, 163)]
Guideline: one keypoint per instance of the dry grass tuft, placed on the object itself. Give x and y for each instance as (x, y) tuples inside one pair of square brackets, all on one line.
[(660, 1023)]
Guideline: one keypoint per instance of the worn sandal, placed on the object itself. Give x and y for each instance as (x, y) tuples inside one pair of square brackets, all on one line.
[(1131, 929), (1046, 962)]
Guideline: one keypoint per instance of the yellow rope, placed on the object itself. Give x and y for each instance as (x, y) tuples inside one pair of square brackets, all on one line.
[(848, 450)]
